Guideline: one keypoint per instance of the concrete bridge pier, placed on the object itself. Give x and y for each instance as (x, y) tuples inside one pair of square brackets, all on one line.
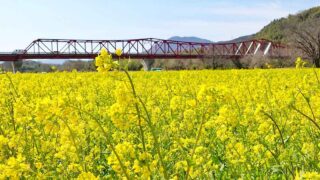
[(13, 67), (147, 63), (16, 65)]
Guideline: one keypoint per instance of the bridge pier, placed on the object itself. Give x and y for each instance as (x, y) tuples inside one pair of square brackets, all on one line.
[(13, 67), (147, 63)]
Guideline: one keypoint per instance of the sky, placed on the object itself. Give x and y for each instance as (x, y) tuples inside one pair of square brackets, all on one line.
[(22, 21)]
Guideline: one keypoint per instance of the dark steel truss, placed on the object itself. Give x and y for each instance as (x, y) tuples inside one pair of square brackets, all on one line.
[(148, 48)]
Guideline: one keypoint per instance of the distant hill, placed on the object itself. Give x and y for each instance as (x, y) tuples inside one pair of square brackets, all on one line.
[(239, 39), (200, 40), (281, 29), (179, 38), (190, 39)]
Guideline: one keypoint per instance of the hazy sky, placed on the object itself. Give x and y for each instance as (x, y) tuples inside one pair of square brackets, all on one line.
[(22, 21)]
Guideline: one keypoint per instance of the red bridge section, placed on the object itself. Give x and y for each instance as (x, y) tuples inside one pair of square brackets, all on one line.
[(148, 48)]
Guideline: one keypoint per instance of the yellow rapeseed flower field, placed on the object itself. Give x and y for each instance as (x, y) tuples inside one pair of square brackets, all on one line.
[(223, 124)]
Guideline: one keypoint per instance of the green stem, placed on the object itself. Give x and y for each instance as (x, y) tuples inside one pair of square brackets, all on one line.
[(306, 116), (11, 83), (316, 74), (309, 105), (113, 149), (194, 148), (73, 140), (137, 109), (11, 113), (278, 128), (155, 137), (149, 122)]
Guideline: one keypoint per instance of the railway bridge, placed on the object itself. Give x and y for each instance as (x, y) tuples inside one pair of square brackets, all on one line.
[(146, 49)]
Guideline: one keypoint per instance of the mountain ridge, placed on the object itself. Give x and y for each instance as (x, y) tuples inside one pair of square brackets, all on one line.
[(281, 29), (190, 39), (202, 40)]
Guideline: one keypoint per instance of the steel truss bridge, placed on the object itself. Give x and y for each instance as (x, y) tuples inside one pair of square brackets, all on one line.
[(148, 48)]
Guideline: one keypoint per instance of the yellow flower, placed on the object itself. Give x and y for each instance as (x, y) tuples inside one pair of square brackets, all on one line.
[(87, 176), (181, 165), (311, 175), (210, 124), (308, 148), (118, 52), (104, 61), (3, 140), (38, 165), (104, 53)]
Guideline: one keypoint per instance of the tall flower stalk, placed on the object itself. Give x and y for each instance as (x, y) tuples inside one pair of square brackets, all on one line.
[(104, 63)]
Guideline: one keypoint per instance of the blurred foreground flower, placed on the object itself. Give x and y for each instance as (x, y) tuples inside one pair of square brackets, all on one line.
[(104, 61), (118, 52)]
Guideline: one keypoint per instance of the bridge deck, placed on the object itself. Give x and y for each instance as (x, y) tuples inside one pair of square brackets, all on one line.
[(148, 48)]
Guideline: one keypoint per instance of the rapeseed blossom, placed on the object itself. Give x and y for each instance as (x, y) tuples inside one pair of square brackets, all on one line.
[(228, 124), (118, 52), (104, 61)]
